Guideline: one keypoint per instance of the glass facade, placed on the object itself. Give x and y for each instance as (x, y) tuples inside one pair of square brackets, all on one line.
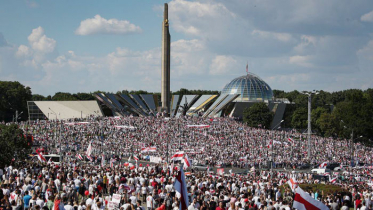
[(250, 87), (34, 113)]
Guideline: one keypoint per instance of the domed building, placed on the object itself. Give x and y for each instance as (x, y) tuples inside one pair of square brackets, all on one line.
[(251, 89)]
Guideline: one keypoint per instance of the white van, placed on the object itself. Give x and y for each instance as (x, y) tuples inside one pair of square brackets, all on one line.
[(320, 171), (56, 159)]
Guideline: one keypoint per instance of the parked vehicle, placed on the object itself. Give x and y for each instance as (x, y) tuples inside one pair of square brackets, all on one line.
[(56, 159), (199, 167), (320, 171)]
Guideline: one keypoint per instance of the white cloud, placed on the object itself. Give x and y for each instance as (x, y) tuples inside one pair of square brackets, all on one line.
[(221, 65), (284, 37), (367, 51), (368, 17), (40, 42), (100, 25), (300, 60), (23, 51), (196, 18)]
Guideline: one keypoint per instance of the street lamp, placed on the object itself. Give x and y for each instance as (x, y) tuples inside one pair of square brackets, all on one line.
[(309, 129), (272, 159), (56, 133)]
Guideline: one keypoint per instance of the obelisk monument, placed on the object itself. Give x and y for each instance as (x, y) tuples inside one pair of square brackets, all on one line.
[(166, 52)]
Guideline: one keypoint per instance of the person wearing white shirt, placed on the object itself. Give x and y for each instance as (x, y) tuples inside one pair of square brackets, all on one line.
[(69, 206), (149, 202)]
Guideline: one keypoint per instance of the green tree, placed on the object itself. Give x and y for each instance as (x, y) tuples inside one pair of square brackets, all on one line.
[(13, 144), (84, 96), (59, 96), (328, 124), (299, 118), (13, 97), (258, 114), (315, 115), (37, 97)]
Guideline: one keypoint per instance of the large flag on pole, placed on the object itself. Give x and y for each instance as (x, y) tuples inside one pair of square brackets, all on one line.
[(303, 201), (181, 187)]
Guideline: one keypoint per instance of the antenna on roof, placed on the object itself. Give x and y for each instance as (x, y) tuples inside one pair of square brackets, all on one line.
[(247, 68)]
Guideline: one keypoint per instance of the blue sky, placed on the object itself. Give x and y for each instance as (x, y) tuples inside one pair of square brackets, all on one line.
[(83, 46)]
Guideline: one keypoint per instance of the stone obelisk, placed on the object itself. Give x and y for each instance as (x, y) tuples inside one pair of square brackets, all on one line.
[(166, 55)]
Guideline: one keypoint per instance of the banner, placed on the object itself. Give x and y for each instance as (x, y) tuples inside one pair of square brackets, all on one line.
[(116, 198), (154, 159)]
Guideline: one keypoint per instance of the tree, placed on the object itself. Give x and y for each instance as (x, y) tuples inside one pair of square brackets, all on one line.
[(315, 115), (59, 96), (328, 125), (258, 115), (37, 97), (299, 118), (13, 144), (84, 96), (13, 97)]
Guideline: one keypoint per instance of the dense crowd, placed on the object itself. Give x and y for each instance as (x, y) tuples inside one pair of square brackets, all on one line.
[(79, 185)]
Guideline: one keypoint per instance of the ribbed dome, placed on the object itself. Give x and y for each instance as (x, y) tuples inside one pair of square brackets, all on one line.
[(250, 87)]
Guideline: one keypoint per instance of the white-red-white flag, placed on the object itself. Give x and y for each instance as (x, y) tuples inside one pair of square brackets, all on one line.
[(148, 149), (303, 201), (291, 140), (103, 160), (89, 149), (135, 157), (178, 156), (41, 157), (323, 165), (334, 180), (186, 161), (181, 187), (293, 184), (79, 156)]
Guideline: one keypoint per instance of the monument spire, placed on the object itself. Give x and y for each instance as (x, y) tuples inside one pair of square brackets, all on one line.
[(166, 55)]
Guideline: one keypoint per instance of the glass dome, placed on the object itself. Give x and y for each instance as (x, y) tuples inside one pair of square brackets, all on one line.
[(250, 87)]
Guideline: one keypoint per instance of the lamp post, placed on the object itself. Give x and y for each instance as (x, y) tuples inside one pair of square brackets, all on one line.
[(272, 159), (309, 129), (56, 133)]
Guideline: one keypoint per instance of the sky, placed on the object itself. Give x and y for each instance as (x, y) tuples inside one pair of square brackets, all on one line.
[(85, 46)]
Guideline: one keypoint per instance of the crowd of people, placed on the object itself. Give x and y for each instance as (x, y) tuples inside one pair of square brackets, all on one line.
[(219, 142)]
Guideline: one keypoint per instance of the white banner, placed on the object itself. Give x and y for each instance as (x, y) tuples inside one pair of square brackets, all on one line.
[(154, 159)]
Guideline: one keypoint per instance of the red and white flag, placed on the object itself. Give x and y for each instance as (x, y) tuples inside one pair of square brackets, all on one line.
[(112, 163), (334, 180), (323, 165), (178, 156), (79, 156), (181, 187), (103, 160), (89, 158), (293, 184), (89, 149), (41, 157), (291, 140), (135, 157), (303, 201), (148, 149), (186, 161)]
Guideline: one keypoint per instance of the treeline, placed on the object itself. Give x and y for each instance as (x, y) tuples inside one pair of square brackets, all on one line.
[(335, 114)]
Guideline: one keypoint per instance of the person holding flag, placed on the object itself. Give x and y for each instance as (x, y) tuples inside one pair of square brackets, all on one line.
[(181, 187)]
